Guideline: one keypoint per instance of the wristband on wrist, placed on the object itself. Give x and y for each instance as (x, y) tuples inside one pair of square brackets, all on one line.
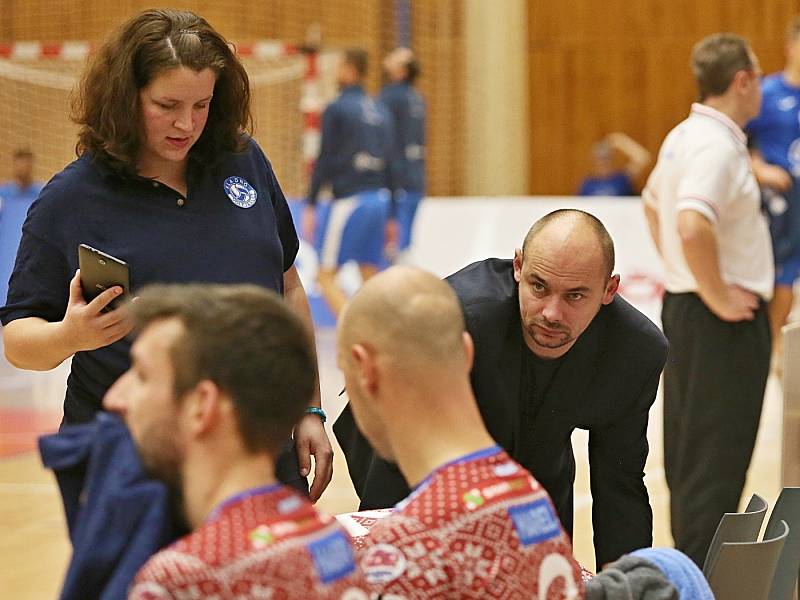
[(313, 410)]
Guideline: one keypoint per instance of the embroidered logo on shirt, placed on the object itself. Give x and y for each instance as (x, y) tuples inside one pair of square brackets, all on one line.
[(333, 557), (535, 522), (383, 563), (241, 193)]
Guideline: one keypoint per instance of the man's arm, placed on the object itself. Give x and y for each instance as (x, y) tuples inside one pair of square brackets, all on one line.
[(699, 242), (638, 156), (651, 214), (621, 514), (309, 435), (769, 175)]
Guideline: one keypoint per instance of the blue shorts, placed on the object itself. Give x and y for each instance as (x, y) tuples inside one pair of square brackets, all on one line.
[(353, 228), (407, 203), (788, 271)]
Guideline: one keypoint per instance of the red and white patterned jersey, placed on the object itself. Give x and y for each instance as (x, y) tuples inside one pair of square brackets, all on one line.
[(478, 527), (265, 543)]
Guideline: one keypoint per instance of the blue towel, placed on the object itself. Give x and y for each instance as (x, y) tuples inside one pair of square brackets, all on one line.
[(117, 517), (680, 570)]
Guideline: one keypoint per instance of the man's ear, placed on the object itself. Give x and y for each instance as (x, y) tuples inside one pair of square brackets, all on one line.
[(469, 349), (611, 289), (366, 368), (202, 407), (518, 265)]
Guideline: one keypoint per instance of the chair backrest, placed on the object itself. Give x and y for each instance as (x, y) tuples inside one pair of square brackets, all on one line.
[(787, 508), (737, 527), (744, 570), (790, 463)]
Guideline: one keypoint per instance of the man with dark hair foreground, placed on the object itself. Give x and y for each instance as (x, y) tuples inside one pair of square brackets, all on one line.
[(555, 349), (219, 377)]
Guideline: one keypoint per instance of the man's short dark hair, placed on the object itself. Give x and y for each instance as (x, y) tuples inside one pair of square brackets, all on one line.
[(715, 61), (247, 341), (358, 59), (603, 237)]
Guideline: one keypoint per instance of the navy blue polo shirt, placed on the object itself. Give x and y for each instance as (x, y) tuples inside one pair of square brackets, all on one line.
[(408, 112), (357, 145), (233, 226)]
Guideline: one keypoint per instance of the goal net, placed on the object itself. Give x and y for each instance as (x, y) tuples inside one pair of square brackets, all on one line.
[(37, 82)]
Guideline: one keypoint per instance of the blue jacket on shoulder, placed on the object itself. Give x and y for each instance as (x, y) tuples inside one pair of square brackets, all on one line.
[(117, 517)]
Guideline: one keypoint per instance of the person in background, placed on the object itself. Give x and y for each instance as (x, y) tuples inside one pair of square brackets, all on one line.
[(703, 208), (775, 152), (356, 159), (407, 108), (16, 197), (605, 180)]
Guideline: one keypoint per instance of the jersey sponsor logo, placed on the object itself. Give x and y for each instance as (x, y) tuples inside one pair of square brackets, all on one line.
[(333, 557), (241, 193), (290, 504), (535, 522), (261, 537), (383, 563), (475, 498), (506, 469), (787, 103)]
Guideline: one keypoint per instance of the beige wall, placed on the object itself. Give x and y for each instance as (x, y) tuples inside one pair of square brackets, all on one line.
[(496, 97)]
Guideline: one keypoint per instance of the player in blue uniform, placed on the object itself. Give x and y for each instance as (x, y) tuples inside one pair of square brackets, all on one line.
[(16, 197), (177, 191), (775, 149), (605, 180), (408, 112), (356, 160)]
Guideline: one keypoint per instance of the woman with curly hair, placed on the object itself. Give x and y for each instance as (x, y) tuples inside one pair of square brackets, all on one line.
[(168, 180)]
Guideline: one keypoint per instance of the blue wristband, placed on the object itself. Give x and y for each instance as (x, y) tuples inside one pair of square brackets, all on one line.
[(313, 410)]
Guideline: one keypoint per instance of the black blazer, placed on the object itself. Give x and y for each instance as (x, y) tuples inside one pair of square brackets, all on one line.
[(606, 384)]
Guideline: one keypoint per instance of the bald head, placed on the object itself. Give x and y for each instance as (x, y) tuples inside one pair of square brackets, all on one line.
[(407, 315), (574, 231)]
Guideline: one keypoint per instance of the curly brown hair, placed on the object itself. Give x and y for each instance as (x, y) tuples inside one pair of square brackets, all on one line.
[(144, 47)]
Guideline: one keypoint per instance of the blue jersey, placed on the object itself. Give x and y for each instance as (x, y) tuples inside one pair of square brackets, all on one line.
[(233, 226), (408, 112), (14, 204), (616, 184), (356, 148), (776, 131)]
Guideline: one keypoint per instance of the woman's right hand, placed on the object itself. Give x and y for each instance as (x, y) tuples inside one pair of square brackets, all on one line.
[(85, 326)]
